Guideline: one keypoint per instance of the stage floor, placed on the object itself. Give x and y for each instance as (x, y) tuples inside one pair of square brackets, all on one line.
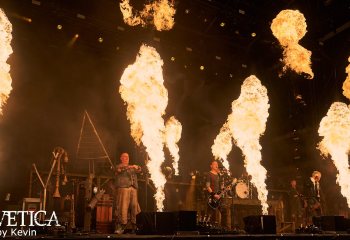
[(327, 236)]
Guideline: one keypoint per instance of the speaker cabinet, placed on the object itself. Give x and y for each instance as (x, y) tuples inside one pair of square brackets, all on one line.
[(261, 224), (156, 223), (330, 223), (186, 220), (239, 211)]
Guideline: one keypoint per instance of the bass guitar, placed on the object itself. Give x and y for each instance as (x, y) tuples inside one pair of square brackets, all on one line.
[(213, 202)]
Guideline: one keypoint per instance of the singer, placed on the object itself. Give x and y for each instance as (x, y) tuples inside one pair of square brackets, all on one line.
[(126, 194)]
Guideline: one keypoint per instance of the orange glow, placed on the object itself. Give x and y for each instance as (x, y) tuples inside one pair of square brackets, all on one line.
[(346, 84), (143, 91), (247, 123), (5, 52), (335, 130), (289, 27), (173, 129), (160, 13)]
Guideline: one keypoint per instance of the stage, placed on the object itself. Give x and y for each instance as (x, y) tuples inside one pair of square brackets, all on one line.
[(185, 236)]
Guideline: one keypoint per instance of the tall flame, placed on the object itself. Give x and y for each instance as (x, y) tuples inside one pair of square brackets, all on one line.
[(173, 129), (346, 84), (289, 27), (247, 123), (5, 52), (160, 13), (146, 97), (223, 145), (335, 130)]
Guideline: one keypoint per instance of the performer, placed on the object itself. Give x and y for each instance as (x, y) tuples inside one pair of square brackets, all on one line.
[(214, 185), (313, 196), (296, 204), (126, 194)]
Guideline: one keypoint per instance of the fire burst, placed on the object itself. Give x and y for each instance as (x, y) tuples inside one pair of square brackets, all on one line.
[(247, 123), (289, 27), (173, 129), (223, 145), (5, 52), (146, 97), (335, 130), (346, 84), (160, 13)]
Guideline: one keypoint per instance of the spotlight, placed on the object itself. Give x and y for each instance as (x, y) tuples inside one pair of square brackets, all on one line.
[(253, 34), (59, 26), (172, 59), (222, 24), (187, 11), (28, 20), (100, 39), (76, 35), (201, 67)]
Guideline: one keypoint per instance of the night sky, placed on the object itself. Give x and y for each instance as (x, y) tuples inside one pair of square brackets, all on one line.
[(53, 83)]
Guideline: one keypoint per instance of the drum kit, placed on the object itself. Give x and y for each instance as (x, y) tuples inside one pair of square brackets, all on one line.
[(243, 187)]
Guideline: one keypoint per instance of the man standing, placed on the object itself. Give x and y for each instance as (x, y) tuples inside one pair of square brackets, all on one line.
[(313, 196), (214, 184), (126, 194), (296, 203)]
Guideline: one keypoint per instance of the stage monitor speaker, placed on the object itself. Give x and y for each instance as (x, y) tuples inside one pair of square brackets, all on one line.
[(239, 211), (186, 220), (330, 223), (260, 224), (156, 223)]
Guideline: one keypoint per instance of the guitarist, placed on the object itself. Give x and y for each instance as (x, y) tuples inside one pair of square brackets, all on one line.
[(313, 196), (214, 184)]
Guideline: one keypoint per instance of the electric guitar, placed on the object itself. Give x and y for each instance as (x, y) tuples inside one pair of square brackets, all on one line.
[(213, 202)]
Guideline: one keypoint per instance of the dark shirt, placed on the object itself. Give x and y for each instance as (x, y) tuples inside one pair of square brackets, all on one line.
[(213, 180), (126, 178)]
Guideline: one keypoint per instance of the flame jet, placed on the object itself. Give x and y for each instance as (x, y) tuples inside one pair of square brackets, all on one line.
[(146, 97), (173, 129), (247, 123), (289, 27), (223, 145), (346, 84), (5, 52), (335, 130), (160, 13)]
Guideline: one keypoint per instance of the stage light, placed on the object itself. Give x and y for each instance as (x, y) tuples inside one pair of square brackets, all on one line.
[(222, 24), (59, 26), (201, 67), (120, 28), (81, 16), (188, 49), (217, 57), (117, 48), (100, 39), (187, 11), (253, 34), (237, 32), (35, 2), (172, 59), (241, 11), (28, 20), (244, 66), (76, 35)]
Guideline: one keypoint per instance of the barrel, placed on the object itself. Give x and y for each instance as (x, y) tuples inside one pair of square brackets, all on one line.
[(104, 214)]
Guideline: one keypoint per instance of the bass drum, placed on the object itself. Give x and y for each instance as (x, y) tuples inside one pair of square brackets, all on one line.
[(242, 190)]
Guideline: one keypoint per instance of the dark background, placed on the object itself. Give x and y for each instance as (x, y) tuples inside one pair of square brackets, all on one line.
[(53, 84)]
